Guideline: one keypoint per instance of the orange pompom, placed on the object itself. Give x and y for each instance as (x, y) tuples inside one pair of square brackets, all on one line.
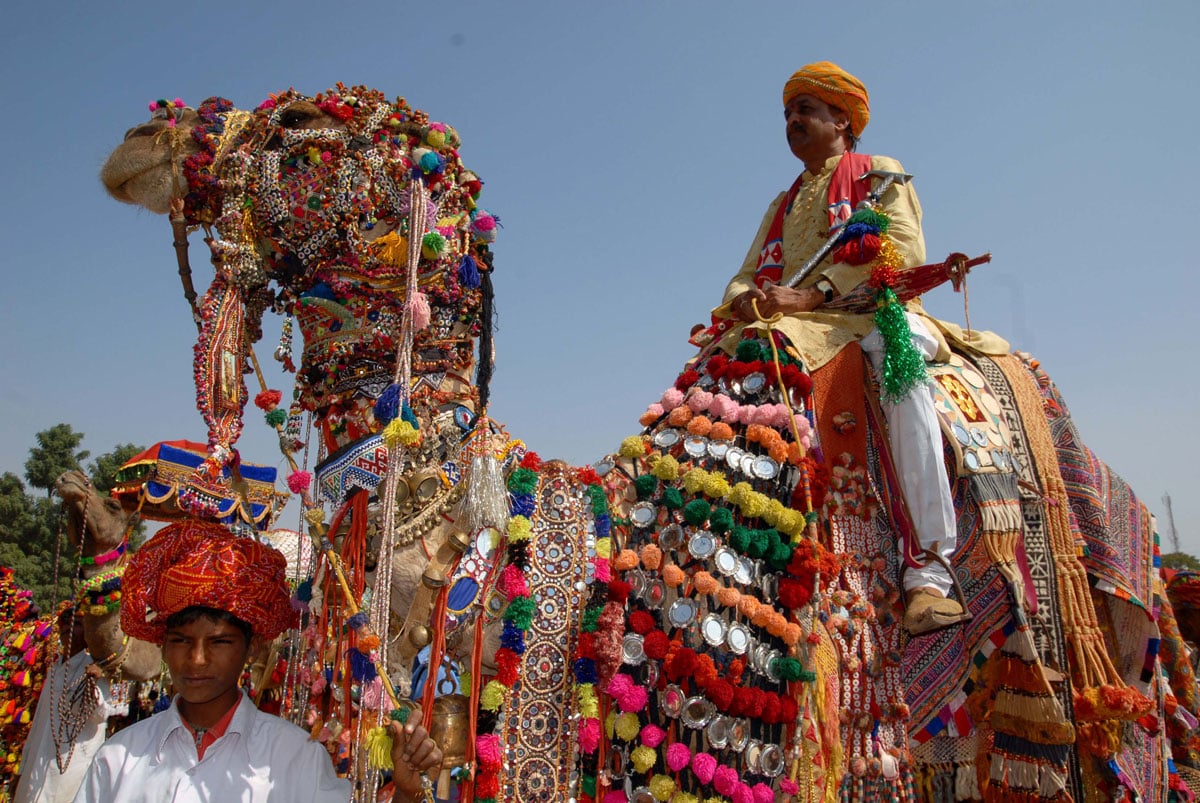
[(705, 583), (792, 634), (748, 606), (699, 425), (680, 416), (626, 559), (729, 597), (673, 576), (721, 432)]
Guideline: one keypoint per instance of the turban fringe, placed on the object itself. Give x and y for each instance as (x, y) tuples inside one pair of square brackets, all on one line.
[(197, 562), (831, 84)]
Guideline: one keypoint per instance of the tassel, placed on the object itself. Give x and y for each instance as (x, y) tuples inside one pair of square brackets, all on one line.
[(400, 433), (418, 308), (903, 365), (379, 748), (468, 272), (485, 503), (362, 668), (387, 405)]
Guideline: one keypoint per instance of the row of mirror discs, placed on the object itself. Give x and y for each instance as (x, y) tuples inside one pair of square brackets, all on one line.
[(722, 732), (983, 447), (758, 466)]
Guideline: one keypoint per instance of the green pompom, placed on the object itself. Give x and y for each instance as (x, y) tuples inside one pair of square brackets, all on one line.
[(720, 520), (780, 555), (696, 512), (589, 785), (871, 217), (520, 612), (739, 539), (276, 417), (591, 619), (645, 486), (522, 481), (599, 500), (672, 499), (756, 545), (788, 668), (750, 350)]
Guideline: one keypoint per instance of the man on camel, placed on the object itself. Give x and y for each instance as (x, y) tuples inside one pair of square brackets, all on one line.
[(211, 599), (826, 110)]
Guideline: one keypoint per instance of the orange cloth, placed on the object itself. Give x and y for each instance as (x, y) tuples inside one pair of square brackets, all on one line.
[(830, 84), (195, 562)]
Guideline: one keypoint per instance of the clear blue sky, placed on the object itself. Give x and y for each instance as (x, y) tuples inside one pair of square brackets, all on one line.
[(630, 149)]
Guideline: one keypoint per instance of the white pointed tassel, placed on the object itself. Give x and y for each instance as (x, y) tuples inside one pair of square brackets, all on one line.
[(485, 503)]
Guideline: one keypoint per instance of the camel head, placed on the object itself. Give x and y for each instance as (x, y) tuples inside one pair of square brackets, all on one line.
[(88, 511), (349, 212)]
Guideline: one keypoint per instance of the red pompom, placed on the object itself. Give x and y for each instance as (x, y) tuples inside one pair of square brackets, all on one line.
[(655, 645), (641, 622), (716, 365), (531, 461), (487, 784), (681, 664), (770, 708), (794, 593), (587, 645), (686, 380), (858, 251), (588, 476), (618, 591), (788, 710), (507, 664), (721, 694), (268, 400)]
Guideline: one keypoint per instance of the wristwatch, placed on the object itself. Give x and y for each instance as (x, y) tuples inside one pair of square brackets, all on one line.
[(825, 287)]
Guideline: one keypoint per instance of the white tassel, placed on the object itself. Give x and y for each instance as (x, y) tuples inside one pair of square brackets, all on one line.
[(485, 503), (1051, 782), (966, 785)]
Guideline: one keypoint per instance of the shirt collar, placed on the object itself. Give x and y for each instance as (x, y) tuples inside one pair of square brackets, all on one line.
[(830, 163), (242, 722)]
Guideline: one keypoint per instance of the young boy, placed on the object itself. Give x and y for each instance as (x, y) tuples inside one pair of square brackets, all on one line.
[(211, 599)]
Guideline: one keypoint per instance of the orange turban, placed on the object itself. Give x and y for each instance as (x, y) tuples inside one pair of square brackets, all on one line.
[(194, 562), (831, 84)]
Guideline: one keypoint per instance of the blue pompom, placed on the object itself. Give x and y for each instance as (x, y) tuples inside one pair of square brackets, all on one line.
[(522, 504), (362, 668), (433, 162), (358, 620), (585, 670), (513, 638), (856, 231), (468, 272), (603, 525), (407, 414), (388, 404)]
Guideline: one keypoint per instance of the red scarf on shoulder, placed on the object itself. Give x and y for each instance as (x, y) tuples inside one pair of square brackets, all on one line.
[(845, 193)]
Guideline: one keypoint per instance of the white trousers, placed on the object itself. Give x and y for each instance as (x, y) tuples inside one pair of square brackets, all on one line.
[(916, 444)]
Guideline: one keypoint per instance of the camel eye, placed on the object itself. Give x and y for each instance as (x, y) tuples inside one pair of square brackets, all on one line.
[(293, 118)]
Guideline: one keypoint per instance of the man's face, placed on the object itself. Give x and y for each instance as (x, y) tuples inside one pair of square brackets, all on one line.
[(206, 658), (814, 128)]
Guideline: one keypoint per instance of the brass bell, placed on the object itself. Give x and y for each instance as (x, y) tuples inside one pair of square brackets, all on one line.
[(433, 577), (425, 483), (419, 636), (458, 540)]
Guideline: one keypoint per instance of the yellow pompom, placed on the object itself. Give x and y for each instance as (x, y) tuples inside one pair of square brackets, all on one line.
[(685, 797), (603, 547), (628, 727), (492, 696), (400, 433), (773, 512), (519, 529), (610, 724), (585, 693), (643, 758), (662, 787), (435, 138), (694, 480), (716, 486), (791, 522), (666, 468), (740, 493), (633, 447), (314, 516), (379, 748), (754, 505)]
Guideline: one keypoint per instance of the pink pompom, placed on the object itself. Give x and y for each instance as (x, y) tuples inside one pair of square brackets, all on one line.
[(487, 749), (153, 105), (655, 411), (635, 699), (678, 756), (780, 417), (803, 426), (603, 570), (724, 408), (298, 481), (806, 442), (615, 796), (652, 735), (589, 735), (725, 780), (619, 684), (763, 793), (704, 766), (671, 399), (418, 307), (789, 787), (699, 401), (512, 582), (742, 794)]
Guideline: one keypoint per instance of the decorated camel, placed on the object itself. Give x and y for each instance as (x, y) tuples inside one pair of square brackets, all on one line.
[(98, 529), (714, 612)]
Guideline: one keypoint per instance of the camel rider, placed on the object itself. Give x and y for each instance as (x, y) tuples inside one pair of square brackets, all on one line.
[(826, 110), (211, 599)]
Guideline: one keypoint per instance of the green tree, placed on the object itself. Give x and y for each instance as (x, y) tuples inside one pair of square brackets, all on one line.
[(1180, 561), (28, 539), (103, 469), (54, 454)]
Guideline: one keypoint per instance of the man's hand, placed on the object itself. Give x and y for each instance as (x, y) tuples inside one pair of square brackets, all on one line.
[(413, 752), (775, 298)]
